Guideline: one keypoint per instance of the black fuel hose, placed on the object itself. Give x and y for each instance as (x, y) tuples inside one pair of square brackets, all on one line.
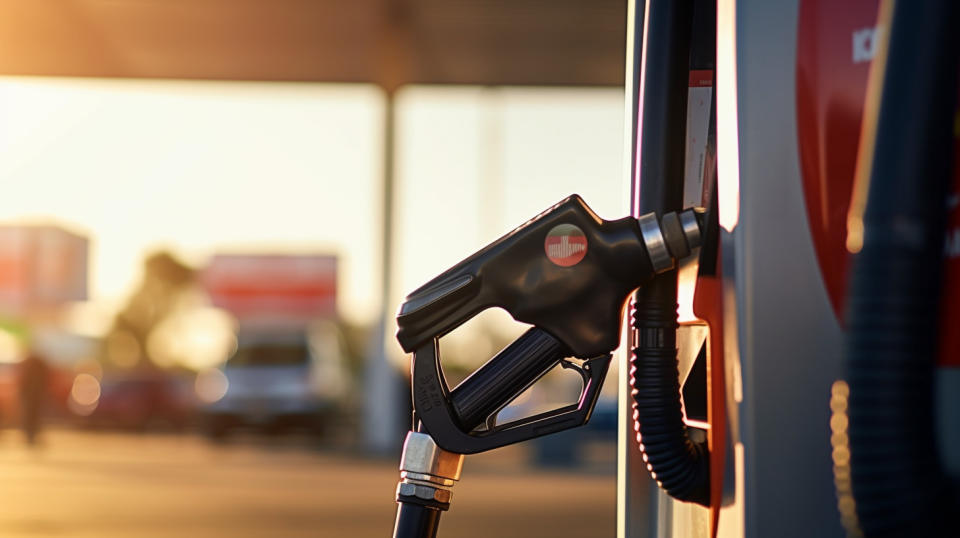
[(416, 521), (898, 485), (679, 465)]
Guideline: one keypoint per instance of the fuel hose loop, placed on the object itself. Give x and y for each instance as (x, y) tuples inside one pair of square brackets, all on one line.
[(679, 465)]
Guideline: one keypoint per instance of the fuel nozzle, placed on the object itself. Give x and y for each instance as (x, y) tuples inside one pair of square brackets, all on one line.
[(566, 272)]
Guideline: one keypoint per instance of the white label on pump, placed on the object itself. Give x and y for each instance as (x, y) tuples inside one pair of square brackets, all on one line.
[(698, 127)]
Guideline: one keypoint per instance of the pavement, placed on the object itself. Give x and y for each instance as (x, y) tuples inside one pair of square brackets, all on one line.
[(106, 485)]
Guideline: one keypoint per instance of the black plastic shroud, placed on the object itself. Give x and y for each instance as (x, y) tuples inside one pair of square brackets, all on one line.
[(580, 305)]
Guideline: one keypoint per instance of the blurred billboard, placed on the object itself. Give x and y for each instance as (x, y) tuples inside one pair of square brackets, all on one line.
[(255, 287)]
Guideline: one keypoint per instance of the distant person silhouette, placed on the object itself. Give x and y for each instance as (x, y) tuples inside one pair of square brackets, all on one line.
[(34, 376)]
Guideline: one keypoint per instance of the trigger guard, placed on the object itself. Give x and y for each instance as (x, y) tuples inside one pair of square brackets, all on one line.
[(584, 370), (432, 404)]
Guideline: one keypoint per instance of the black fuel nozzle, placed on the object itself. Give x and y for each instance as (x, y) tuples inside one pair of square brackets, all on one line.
[(568, 273)]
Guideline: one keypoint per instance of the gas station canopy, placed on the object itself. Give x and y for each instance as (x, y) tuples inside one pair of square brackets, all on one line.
[(387, 42)]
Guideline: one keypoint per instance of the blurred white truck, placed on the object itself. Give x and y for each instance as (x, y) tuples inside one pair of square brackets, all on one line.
[(287, 371)]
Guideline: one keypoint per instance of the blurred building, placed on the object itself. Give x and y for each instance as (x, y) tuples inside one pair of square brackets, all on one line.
[(42, 269), (41, 266)]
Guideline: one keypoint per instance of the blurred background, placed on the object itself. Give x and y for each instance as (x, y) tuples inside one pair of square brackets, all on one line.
[(210, 211)]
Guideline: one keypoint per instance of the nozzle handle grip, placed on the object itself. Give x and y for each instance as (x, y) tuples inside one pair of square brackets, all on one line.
[(505, 376)]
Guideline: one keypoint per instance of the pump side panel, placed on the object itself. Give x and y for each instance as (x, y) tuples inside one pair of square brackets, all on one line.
[(789, 338)]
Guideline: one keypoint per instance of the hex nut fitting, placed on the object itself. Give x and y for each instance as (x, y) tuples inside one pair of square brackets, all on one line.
[(656, 245), (421, 455), (690, 219), (424, 492)]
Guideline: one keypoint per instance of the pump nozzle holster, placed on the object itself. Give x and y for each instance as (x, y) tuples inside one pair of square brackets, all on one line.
[(568, 273)]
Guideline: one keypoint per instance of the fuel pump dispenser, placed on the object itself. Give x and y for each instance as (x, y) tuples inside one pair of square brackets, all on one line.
[(826, 293), (832, 341), (566, 272)]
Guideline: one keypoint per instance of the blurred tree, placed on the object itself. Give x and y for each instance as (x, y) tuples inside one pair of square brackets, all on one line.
[(356, 343), (167, 283)]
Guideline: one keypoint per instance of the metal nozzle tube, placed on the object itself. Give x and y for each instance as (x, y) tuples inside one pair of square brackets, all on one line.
[(671, 237)]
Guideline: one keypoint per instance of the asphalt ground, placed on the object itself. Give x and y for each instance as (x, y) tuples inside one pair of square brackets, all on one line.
[(105, 485)]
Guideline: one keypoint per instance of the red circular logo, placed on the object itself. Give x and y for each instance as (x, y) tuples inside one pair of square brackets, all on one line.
[(565, 245)]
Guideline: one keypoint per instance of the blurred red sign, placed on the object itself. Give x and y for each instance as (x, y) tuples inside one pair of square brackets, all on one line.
[(285, 286), (835, 48)]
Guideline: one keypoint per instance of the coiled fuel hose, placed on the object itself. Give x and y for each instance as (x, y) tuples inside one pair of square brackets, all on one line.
[(899, 487)]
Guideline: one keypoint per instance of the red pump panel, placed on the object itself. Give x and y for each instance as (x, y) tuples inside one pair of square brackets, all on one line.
[(835, 46), (950, 316), (834, 51)]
